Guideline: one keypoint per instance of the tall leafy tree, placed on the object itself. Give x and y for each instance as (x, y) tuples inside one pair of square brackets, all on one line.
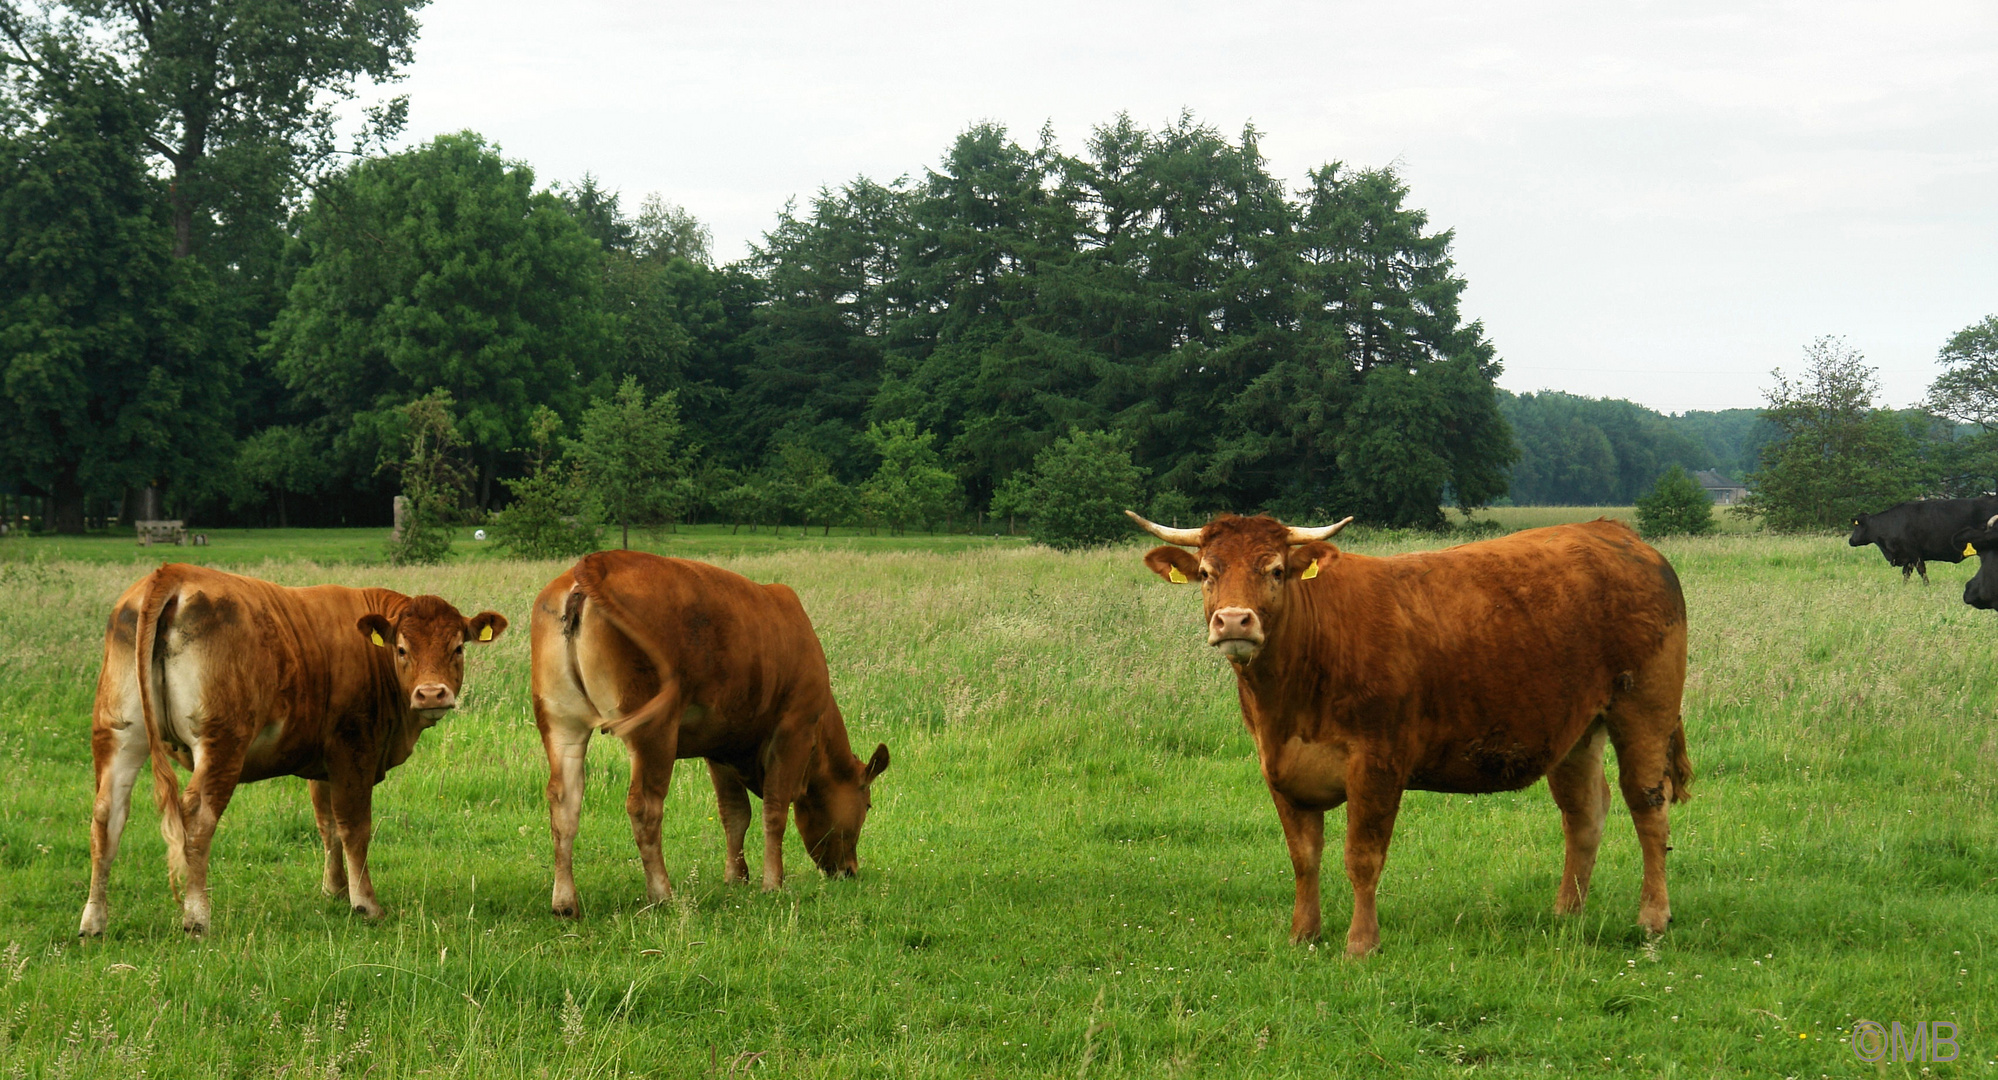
[(240, 98), (1966, 393), (629, 458), (442, 267), (107, 379), (1836, 454)]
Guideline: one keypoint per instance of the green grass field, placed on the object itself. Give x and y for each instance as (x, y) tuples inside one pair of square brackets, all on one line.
[(1072, 868)]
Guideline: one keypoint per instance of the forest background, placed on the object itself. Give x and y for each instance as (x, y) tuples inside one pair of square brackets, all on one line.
[(218, 307)]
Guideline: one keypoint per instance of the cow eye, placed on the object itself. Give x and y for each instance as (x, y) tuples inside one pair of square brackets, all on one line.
[(460, 650), (400, 651)]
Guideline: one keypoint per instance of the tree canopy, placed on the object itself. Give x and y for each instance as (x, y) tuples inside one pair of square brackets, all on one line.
[(441, 267)]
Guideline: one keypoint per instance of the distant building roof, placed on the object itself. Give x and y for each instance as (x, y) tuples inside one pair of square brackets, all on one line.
[(1714, 481)]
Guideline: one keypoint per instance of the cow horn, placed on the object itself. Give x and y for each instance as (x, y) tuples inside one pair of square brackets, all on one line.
[(1182, 537), (1323, 532), (1993, 521)]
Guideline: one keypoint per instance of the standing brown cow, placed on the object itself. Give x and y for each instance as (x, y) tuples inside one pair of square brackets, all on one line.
[(684, 660), (246, 680), (1475, 669)]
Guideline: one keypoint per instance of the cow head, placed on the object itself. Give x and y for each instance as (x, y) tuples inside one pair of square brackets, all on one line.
[(1862, 531), (428, 640), (834, 808), (1246, 569), (1981, 591)]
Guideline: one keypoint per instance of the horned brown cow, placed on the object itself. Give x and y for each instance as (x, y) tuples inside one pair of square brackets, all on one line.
[(685, 660), (1479, 668), (246, 680)]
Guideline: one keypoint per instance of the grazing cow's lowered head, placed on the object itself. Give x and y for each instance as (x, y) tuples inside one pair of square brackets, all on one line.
[(1981, 591), (1862, 532), (428, 639), (835, 806), (1246, 567)]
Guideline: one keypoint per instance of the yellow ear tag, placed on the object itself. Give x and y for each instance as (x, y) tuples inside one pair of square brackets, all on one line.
[(1968, 551), (1310, 571), (486, 632), (1173, 575), (376, 637)]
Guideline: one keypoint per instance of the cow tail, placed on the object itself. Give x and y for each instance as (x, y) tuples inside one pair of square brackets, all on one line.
[(1680, 767), (166, 785), (589, 574)]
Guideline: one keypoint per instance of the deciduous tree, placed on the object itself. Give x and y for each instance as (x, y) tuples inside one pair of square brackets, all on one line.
[(1836, 454)]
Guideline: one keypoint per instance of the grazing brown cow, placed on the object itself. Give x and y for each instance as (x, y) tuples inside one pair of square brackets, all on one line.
[(685, 660), (246, 680), (1474, 669)]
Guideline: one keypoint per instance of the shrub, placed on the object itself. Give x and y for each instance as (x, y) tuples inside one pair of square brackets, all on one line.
[(434, 481), (1676, 505), (549, 517), (1080, 487)]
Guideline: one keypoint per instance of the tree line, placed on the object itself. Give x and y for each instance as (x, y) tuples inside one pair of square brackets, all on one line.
[(207, 292)]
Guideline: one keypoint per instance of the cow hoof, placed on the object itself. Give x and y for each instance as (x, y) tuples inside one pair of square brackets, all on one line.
[(193, 927), (374, 912), (566, 912)]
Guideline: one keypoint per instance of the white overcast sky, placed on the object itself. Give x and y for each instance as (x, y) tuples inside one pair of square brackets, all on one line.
[(1659, 201)]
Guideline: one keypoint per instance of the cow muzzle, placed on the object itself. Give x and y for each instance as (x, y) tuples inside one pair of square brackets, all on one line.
[(432, 697), (1973, 594), (1237, 632)]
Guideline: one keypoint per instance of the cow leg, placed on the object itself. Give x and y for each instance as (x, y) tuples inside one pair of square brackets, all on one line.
[(1582, 792), (732, 801), (1641, 759), (333, 881), (1304, 834), (1908, 571), (1372, 802), (218, 765), (354, 817), (652, 753), (568, 748), (1922, 567), (787, 757), (119, 756)]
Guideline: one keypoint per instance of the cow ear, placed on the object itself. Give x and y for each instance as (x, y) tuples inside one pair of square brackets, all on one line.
[(1307, 560), (1175, 564), (376, 629), (877, 764), (485, 626)]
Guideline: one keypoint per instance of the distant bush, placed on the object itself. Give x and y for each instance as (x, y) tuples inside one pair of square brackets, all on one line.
[(1079, 489), (549, 517), (1675, 506), (435, 481)]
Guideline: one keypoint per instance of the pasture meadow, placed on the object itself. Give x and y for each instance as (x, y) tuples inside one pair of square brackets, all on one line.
[(1072, 868)]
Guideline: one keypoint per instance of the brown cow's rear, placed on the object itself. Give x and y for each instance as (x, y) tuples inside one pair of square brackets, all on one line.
[(250, 680), (684, 660), (1475, 669)]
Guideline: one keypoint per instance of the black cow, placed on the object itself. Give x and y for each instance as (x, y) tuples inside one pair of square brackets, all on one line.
[(1981, 591), (1914, 534)]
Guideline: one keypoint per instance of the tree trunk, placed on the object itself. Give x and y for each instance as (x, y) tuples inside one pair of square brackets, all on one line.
[(625, 530), (66, 502), (283, 523), (183, 219)]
